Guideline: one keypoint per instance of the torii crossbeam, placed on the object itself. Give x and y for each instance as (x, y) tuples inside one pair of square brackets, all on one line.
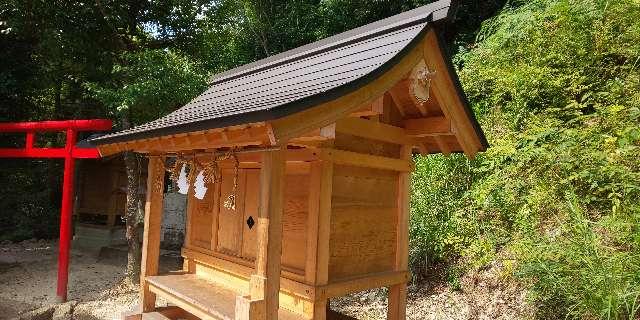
[(69, 153)]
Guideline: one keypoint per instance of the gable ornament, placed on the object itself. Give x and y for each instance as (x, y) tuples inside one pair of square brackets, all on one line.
[(420, 84)]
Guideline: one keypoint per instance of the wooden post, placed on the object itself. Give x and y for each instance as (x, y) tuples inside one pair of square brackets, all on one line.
[(265, 283), (152, 225), (397, 303), (113, 198), (317, 262)]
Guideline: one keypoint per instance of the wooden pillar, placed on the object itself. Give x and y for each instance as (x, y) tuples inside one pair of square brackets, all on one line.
[(263, 302), (318, 226), (152, 225), (397, 303)]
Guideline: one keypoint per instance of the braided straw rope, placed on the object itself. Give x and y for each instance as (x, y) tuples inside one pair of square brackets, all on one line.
[(211, 172)]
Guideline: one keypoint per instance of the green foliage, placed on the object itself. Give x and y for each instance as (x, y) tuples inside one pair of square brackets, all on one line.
[(438, 185), (151, 84), (27, 219), (557, 88)]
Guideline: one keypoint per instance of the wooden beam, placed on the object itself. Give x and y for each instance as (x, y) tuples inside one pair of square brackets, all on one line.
[(248, 308), (327, 113), (424, 127), (444, 147), (372, 130), (464, 143), (374, 109), (265, 283), (323, 134), (397, 101), (350, 158), (371, 281), (423, 149), (397, 303), (152, 225)]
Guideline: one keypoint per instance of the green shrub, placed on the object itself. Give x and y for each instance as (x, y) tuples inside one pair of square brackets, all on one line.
[(556, 85)]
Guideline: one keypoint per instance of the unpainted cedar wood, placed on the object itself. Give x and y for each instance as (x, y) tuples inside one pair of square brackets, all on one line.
[(397, 298), (362, 241), (270, 228), (446, 93), (151, 235), (362, 145), (236, 275), (372, 130), (363, 282), (366, 160), (428, 126), (230, 223)]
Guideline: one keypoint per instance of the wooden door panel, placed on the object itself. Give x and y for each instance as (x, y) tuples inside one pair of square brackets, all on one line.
[(230, 222), (251, 207), (201, 218)]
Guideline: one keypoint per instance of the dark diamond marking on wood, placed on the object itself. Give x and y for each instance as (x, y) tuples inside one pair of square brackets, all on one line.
[(250, 222)]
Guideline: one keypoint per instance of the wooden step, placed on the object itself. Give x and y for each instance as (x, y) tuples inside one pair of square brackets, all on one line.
[(154, 316), (202, 298)]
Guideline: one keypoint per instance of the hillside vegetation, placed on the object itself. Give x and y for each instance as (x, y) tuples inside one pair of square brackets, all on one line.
[(556, 198)]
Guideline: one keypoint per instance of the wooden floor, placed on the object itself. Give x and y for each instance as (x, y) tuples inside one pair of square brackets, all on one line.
[(202, 298)]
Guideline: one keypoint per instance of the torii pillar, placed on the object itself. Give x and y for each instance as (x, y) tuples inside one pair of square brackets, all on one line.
[(69, 153)]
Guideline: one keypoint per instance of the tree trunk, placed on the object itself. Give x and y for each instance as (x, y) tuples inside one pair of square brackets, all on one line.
[(134, 212)]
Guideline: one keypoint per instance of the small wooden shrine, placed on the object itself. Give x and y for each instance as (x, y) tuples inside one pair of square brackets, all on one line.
[(101, 195), (297, 169)]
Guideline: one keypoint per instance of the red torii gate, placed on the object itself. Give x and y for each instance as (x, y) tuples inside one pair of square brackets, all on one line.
[(69, 153)]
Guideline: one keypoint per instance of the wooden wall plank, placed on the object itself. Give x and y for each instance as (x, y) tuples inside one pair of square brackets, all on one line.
[(294, 221), (201, 216), (363, 230)]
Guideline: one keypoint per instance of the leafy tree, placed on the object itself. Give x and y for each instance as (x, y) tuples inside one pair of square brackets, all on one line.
[(148, 84)]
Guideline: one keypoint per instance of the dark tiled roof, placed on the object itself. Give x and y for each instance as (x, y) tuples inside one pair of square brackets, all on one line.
[(296, 79)]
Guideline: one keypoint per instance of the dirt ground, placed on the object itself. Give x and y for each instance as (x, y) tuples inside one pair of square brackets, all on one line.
[(484, 295), (28, 272), (28, 281)]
